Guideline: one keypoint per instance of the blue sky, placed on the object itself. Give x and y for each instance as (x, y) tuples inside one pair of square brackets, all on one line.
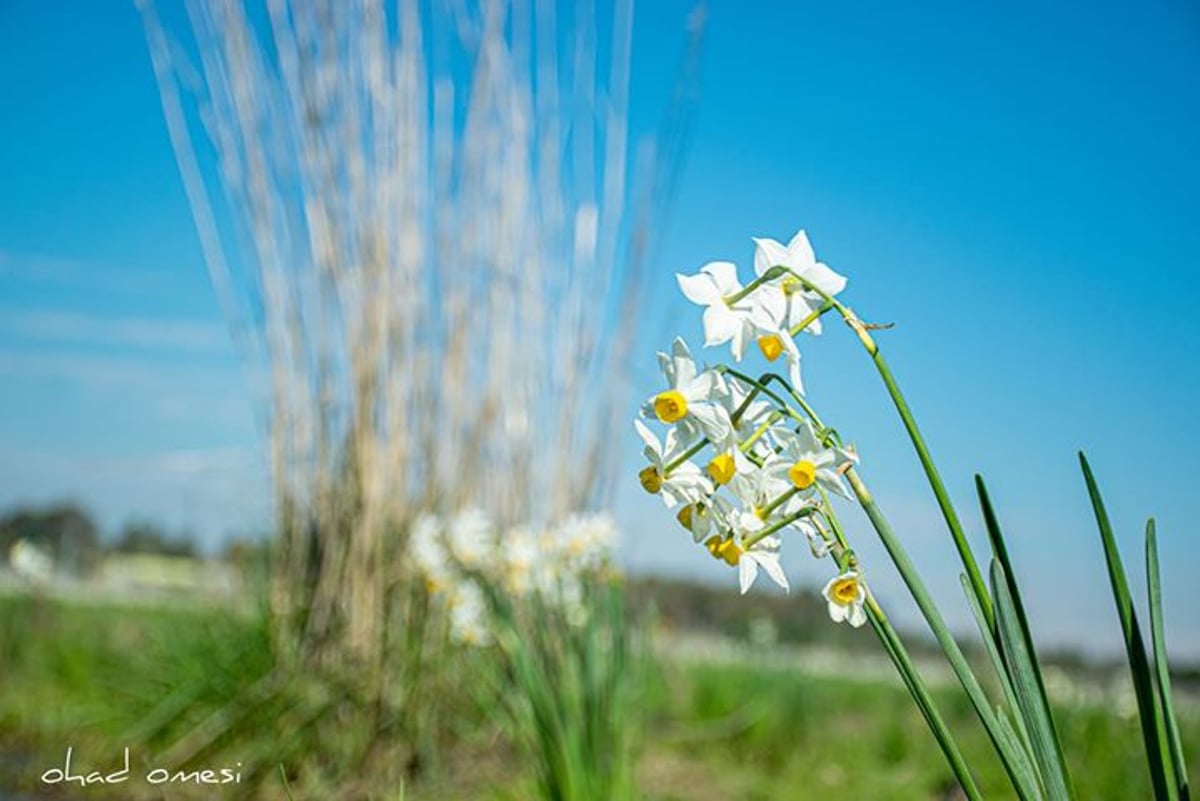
[(1015, 188)]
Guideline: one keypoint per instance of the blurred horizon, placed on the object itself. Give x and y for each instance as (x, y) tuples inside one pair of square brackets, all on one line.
[(1013, 188)]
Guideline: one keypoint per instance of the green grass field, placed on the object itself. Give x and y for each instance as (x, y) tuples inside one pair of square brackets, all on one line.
[(102, 678)]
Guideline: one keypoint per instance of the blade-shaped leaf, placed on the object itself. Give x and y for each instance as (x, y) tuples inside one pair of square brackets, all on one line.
[(993, 651), (1024, 769), (920, 693), (1139, 665), (1161, 665), (1000, 549), (1024, 773), (1031, 698)]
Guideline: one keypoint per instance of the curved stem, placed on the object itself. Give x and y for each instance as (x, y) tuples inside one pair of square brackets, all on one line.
[(918, 441), (905, 666), (937, 624), (810, 319)]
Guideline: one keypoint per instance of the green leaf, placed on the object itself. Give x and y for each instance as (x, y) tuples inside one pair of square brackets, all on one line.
[(1000, 549), (1025, 772), (1161, 665), (1031, 698), (993, 652), (1139, 665), (920, 693)]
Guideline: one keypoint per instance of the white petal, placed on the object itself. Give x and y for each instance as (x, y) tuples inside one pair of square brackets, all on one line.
[(833, 482), (648, 437), (667, 365), (801, 250), (739, 341), (794, 374), (770, 563), (767, 254), (713, 420), (699, 289), (825, 279), (747, 572), (679, 349), (768, 308), (857, 615), (721, 324), (837, 612), (724, 276)]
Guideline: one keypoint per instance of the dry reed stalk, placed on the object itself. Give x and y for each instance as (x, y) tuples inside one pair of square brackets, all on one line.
[(422, 229)]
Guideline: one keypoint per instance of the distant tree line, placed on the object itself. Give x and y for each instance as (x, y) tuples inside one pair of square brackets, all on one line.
[(68, 534), (63, 531)]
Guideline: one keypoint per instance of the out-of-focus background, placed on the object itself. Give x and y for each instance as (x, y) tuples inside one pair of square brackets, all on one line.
[(274, 285)]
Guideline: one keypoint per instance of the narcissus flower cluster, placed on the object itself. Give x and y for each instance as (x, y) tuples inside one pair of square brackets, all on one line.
[(461, 554), (743, 461)]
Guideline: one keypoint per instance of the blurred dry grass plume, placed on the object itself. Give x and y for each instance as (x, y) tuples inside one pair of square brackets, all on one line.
[(424, 227)]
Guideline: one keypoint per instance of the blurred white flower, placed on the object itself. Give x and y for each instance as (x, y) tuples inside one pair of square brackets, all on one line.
[(470, 537), (519, 557), (468, 615), (30, 563), (846, 595), (587, 540), (427, 550)]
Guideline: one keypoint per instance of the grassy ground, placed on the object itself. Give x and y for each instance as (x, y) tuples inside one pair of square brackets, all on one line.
[(99, 679)]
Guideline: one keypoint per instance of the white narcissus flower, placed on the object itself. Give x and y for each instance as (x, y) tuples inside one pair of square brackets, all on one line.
[(756, 490), (846, 595), (703, 516), (684, 484), (587, 541), (764, 554), (755, 414), (470, 537), (804, 461), (692, 400), (798, 256), (468, 614), (728, 461), (723, 323), (426, 548), (769, 317)]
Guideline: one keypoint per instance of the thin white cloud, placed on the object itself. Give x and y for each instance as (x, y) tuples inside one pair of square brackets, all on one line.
[(207, 460), (45, 269), (48, 325)]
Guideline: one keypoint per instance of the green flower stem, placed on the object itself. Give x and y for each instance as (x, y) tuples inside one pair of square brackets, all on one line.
[(699, 446), (954, 655), (760, 385), (683, 457), (918, 441), (773, 418), (904, 665), (812, 317), (782, 523), (769, 275), (775, 504)]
